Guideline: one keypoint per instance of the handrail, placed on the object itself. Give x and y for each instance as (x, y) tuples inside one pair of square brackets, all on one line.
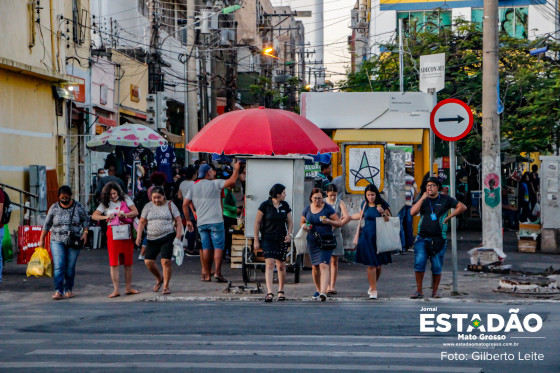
[(20, 204), (19, 190)]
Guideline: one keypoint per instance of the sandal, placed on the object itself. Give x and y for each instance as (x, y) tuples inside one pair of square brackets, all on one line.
[(332, 292), (165, 291), (281, 298), (157, 286), (57, 296), (269, 297), (436, 295), (417, 295), (220, 279), (69, 295)]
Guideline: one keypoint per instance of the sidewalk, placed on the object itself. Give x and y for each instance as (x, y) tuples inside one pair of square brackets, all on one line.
[(93, 282)]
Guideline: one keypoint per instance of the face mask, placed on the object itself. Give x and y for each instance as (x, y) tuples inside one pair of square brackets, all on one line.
[(102, 175), (65, 201)]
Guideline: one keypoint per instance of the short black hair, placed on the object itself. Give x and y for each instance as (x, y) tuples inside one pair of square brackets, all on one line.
[(534, 168), (324, 166), (276, 190), (65, 189)]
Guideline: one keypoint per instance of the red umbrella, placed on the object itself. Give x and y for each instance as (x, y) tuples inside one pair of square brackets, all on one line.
[(261, 132)]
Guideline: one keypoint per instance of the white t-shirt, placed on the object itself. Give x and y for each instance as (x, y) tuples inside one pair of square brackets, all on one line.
[(206, 195), (114, 207), (185, 186), (160, 219)]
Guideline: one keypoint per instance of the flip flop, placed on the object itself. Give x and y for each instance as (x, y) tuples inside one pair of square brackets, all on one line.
[(436, 295), (69, 295), (220, 279), (417, 295), (132, 292), (57, 296), (166, 291), (114, 295), (332, 292), (157, 286)]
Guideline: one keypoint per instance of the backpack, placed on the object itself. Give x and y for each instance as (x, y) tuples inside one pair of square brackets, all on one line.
[(7, 213)]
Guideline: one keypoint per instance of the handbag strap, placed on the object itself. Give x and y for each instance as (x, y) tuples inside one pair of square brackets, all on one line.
[(357, 235), (71, 218), (170, 211)]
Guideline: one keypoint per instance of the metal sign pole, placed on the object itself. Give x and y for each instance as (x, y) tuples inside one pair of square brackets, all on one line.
[(452, 171)]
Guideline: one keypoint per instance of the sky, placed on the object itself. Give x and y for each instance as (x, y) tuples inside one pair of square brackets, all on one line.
[(336, 31)]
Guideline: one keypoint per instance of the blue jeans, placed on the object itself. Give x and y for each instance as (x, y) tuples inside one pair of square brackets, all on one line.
[(421, 258), (64, 262), (213, 236), (1, 259), (407, 237)]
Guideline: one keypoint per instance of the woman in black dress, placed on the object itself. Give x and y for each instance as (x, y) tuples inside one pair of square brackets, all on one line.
[(274, 222)]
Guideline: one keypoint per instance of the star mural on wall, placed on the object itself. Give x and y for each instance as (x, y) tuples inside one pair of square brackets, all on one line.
[(366, 172)]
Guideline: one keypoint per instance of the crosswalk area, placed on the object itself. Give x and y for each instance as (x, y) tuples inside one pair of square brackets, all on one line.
[(225, 353)]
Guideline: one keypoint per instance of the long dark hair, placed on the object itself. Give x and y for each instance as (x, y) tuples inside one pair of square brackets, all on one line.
[(378, 200), (276, 190), (106, 193)]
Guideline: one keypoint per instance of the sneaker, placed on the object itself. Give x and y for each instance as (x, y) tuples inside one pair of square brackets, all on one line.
[(323, 297), (316, 295), (141, 257), (372, 294)]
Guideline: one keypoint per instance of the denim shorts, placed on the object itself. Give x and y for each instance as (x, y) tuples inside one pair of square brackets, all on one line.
[(421, 258), (213, 236)]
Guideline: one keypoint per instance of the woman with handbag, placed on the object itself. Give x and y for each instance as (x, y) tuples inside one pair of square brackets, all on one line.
[(366, 245), (119, 211), (319, 219), (340, 208), (274, 223), (68, 223), (164, 226)]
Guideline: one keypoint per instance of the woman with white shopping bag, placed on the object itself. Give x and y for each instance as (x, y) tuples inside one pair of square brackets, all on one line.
[(164, 228), (119, 211), (366, 239)]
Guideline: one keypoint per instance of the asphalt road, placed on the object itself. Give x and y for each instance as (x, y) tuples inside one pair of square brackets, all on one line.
[(253, 336)]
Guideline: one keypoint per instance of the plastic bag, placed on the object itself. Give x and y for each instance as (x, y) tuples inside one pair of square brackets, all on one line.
[(388, 234), (300, 240), (178, 251), (536, 210), (40, 264)]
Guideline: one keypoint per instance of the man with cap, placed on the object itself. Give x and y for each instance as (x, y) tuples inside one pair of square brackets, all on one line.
[(206, 197), (431, 240)]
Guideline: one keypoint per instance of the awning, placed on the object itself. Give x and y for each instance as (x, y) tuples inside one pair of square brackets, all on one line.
[(134, 120), (106, 121), (171, 137), (398, 136)]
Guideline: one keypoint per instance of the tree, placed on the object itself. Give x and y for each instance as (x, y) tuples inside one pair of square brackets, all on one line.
[(529, 85)]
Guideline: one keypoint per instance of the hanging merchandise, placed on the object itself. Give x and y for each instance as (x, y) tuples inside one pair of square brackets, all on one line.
[(7, 252), (165, 157)]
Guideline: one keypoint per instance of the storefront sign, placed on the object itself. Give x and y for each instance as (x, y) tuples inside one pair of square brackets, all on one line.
[(364, 166), (78, 89), (311, 170)]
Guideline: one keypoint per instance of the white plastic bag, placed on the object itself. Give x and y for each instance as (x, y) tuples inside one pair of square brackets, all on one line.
[(178, 251), (536, 210), (300, 241), (388, 234)]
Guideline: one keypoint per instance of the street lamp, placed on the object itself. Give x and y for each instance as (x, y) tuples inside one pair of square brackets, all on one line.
[(268, 52)]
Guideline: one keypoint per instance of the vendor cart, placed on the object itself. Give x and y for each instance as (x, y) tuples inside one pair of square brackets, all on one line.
[(261, 174)]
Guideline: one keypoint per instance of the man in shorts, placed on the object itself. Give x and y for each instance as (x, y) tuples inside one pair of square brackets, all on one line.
[(433, 208), (206, 197)]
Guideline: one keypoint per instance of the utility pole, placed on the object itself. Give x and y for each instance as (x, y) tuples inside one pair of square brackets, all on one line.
[(491, 163), (191, 112), (401, 56), (155, 76)]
